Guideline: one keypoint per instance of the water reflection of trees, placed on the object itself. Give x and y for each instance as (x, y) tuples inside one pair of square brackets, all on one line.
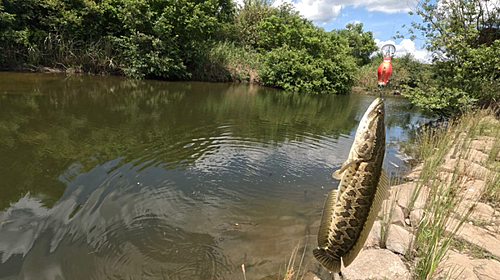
[(402, 114), (57, 123)]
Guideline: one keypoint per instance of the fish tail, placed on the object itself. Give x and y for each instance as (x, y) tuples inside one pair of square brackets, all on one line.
[(328, 261)]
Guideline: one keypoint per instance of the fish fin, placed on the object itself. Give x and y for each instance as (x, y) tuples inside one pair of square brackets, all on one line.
[(327, 260), (380, 195), (338, 173), (327, 219), (345, 181)]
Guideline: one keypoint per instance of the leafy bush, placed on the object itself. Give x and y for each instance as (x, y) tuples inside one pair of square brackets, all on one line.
[(443, 101), (148, 38), (297, 70), (465, 40)]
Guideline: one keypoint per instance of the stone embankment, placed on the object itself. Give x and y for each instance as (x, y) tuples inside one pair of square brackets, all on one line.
[(477, 254)]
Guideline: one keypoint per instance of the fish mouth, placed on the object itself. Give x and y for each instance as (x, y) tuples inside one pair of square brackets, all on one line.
[(379, 102), (377, 106)]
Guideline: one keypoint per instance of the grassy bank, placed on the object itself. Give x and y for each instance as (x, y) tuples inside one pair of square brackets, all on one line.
[(449, 159)]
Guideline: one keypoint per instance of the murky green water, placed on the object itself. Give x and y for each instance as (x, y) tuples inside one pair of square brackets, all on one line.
[(106, 178)]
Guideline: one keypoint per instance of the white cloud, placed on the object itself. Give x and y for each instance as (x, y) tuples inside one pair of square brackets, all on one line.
[(317, 10), (325, 10), (386, 6), (407, 46)]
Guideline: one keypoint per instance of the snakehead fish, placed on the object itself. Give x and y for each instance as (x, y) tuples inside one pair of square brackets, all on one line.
[(349, 211)]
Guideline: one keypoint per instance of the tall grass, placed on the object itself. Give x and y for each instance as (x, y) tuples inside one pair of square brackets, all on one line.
[(387, 213), (292, 270), (492, 191), (490, 128), (74, 55), (227, 61), (366, 76), (438, 227), (441, 220)]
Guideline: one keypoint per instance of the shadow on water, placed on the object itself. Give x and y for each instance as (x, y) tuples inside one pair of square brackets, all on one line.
[(108, 178)]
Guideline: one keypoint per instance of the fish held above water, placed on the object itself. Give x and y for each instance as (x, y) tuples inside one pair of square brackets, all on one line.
[(349, 211)]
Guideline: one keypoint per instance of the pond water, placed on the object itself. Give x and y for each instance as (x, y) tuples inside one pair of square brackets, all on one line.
[(108, 178)]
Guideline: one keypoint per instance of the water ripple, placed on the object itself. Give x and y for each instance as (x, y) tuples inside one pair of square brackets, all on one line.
[(156, 180)]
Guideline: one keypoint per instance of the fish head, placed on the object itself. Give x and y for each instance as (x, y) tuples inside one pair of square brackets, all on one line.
[(369, 141)]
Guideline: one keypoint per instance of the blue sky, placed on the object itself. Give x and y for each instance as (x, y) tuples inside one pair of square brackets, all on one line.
[(383, 17), (383, 25)]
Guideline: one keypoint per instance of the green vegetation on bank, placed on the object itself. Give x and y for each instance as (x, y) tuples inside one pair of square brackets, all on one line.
[(217, 40), (180, 40), (407, 73), (464, 38), (447, 205), (436, 228)]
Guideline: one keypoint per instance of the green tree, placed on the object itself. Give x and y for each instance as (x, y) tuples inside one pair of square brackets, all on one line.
[(167, 38), (248, 19), (142, 38), (296, 55), (464, 39), (361, 43)]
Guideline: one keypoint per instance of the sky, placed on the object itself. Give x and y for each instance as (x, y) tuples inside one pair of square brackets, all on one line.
[(383, 17)]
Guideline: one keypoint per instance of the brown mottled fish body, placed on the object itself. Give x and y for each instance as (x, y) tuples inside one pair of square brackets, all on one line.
[(349, 211)]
